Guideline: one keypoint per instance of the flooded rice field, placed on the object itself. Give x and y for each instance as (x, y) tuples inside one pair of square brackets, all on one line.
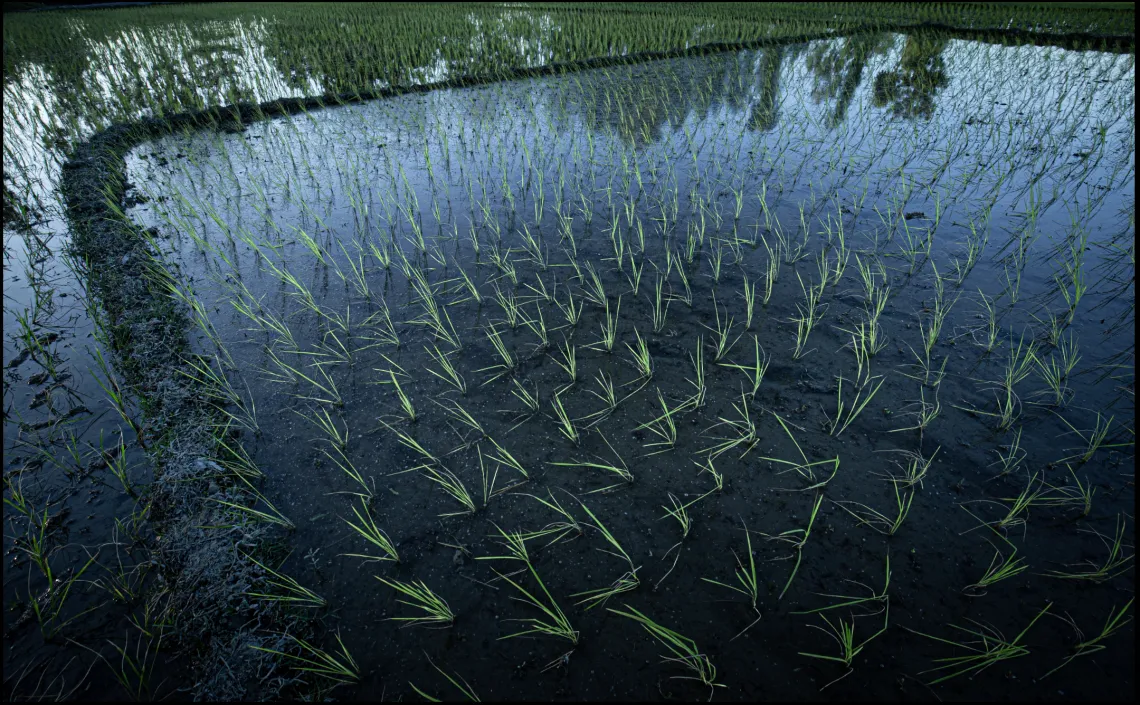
[(749, 375)]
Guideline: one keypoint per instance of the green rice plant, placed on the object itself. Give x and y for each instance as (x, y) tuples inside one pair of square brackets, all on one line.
[(472, 290), (810, 314), (571, 311), (372, 534), (700, 388), (684, 649), (411, 443), (609, 329), (503, 457), (329, 394), (1001, 567), (340, 668), (621, 470), (405, 402), (881, 597), (662, 426), (565, 424), (555, 624), (723, 332), (342, 461), (987, 648), (806, 469), (1008, 407), (538, 327), (925, 413), (466, 689), (744, 428), (507, 365), (797, 538), (837, 425), (642, 361), (435, 608), (749, 295), (527, 397), (757, 369), (1078, 494), (1018, 507), (1114, 563), (749, 584), (635, 272), (273, 516), (608, 396), (771, 271), (659, 305), (843, 633), (627, 582), (874, 519), (989, 339), (474, 430), (568, 363), (593, 289), (322, 420), (448, 373), (1114, 623), (1094, 441), (559, 529), (452, 485), (512, 311), (291, 592)]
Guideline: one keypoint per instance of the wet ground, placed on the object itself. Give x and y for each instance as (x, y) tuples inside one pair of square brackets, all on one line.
[(880, 149)]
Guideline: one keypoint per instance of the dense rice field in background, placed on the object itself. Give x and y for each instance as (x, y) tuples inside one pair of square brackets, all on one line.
[(800, 365)]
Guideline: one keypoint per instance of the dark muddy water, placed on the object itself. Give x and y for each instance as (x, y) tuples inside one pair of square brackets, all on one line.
[(893, 155)]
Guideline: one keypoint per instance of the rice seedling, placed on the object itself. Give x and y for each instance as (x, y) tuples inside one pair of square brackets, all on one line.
[(593, 289), (1094, 441), (503, 457), (412, 444), (837, 425), (627, 582), (745, 430), (1115, 562), (405, 402), (925, 413), (466, 689), (435, 608), (1078, 494), (340, 668), (757, 370), (289, 590), (447, 372), (880, 598), (273, 516), (565, 424), (527, 397), (874, 519), (662, 427), (474, 430), (1114, 623), (843, 633), (571, 311), (1001, 567), (684, 649), (806, 468), (621, 470), (608, 397), (568, 363), (555, 624), (749, 584), (373, 534), (797, 544), (723, 332), (559, 529), (450, 484), (642, 361), (809, 315), (987, 648), (507, 365), (609, 329), (659, 305)]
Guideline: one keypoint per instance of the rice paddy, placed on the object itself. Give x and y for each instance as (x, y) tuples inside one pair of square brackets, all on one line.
[(795, 366)]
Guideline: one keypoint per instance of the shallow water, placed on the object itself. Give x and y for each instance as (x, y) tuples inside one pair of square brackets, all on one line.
[(884, 135)]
